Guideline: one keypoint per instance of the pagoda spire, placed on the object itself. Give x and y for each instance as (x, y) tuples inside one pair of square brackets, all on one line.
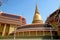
[(36, 11), (37, 17)]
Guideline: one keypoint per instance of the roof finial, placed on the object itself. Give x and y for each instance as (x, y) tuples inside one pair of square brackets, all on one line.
[(59, 7), (36, 8)]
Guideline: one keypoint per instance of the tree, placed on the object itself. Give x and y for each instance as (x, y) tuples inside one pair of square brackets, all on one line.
[(2, 2)]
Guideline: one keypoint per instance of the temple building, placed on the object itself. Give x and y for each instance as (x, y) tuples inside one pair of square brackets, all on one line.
[(54, 20), (36, 29), (9, 22), (15, 26)]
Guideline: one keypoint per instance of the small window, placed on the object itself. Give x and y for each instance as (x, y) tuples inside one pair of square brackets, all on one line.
[(5, 14), (15, 16), (23, 18), (8, 15)]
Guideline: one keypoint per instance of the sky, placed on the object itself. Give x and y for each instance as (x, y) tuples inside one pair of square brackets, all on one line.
[(26, 8)]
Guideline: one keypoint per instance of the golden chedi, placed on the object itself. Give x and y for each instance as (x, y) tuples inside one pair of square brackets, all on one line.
[(37, 17)]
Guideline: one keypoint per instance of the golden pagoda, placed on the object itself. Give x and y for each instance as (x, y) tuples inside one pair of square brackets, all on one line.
[(35, 30), (37, 17)]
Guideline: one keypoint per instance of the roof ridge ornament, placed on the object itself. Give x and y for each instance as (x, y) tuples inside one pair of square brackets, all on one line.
[(59, 7)]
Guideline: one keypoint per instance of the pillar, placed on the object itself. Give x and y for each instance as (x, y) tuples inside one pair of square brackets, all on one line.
[(43, 33), (11, 29), (29, 33), (0, 28), (3, 34), (23, 33), (51, 34), (36, 32)]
